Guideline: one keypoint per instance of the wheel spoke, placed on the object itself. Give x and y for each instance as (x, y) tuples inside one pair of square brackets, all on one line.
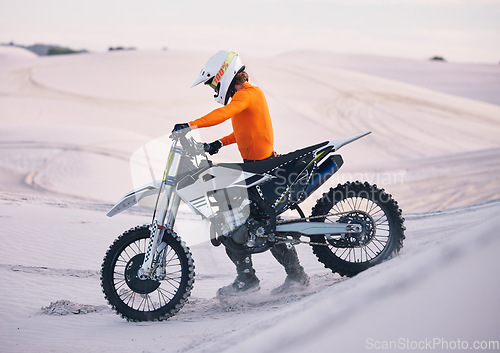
[(165, 294), (360, 209)]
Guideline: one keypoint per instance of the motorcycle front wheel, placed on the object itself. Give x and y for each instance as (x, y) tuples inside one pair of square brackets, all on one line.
[(381, 222), (137, 299)]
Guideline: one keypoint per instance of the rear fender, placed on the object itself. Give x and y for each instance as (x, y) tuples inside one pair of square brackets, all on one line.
[(337, 144)]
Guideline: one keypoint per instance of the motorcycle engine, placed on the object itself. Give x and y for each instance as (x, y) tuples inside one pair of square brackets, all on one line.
[(229, 219), (258, 232), (250, 232), (242, 222)]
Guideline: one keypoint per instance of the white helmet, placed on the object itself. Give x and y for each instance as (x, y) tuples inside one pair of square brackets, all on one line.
[(219, 72)]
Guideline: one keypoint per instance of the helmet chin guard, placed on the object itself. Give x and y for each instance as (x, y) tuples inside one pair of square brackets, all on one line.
[(219, 72)]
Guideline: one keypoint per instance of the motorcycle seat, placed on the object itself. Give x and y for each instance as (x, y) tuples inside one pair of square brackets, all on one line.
[(269, 165)]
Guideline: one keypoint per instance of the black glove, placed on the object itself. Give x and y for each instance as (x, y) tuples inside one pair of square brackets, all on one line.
[(212, 148), (181, 126)]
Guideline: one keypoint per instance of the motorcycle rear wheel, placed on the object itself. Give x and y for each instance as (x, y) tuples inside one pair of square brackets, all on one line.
[(382, 223), (146, 300)]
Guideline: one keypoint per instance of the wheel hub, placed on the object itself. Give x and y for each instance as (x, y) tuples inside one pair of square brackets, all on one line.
[(138, 285), (367, 228)]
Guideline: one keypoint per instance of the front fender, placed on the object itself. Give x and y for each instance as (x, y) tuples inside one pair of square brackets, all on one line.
[(134, 197)]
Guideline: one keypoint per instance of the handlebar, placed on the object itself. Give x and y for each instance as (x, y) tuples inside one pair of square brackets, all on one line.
[(190, 145)]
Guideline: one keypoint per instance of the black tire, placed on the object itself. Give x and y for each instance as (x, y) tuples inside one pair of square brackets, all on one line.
[(383, 230), (146, 300)]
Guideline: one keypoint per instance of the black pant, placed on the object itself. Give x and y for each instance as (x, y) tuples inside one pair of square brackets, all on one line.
[(256, 160), (284, 253)]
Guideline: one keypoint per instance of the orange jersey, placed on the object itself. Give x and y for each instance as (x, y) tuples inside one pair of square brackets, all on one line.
[(252, 127)]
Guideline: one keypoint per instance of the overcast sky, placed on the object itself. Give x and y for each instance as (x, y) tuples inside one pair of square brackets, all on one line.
[(459, 30)]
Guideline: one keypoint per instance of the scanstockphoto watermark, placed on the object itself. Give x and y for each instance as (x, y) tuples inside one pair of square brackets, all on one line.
[(377, 176), (430, 344), (283, 178)]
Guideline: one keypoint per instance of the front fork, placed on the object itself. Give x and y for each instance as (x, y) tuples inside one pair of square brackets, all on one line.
[(153, 266)]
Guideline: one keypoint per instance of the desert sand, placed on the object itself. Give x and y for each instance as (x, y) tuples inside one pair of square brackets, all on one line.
[(69, 126)]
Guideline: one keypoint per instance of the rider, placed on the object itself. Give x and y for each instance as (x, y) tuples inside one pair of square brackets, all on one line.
[(253, 133)]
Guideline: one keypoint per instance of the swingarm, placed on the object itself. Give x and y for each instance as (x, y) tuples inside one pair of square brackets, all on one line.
[(318, 228)]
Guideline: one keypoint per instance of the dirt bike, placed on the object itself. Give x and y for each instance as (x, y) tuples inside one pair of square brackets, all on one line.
[(148, 272)]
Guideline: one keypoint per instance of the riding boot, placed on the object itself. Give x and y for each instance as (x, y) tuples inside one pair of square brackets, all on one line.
[(246, 281), (288, 258)]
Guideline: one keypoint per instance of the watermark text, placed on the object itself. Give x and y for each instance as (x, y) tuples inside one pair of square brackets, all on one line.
[(429, 344)]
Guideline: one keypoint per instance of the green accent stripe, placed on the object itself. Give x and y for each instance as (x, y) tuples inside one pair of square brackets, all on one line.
[(286, 193)]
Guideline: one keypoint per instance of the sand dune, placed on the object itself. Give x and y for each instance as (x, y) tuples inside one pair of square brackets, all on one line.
[(125, 100), (70, 124)]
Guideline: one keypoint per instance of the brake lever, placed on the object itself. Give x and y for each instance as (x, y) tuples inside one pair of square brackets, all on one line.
[(197, 146)]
